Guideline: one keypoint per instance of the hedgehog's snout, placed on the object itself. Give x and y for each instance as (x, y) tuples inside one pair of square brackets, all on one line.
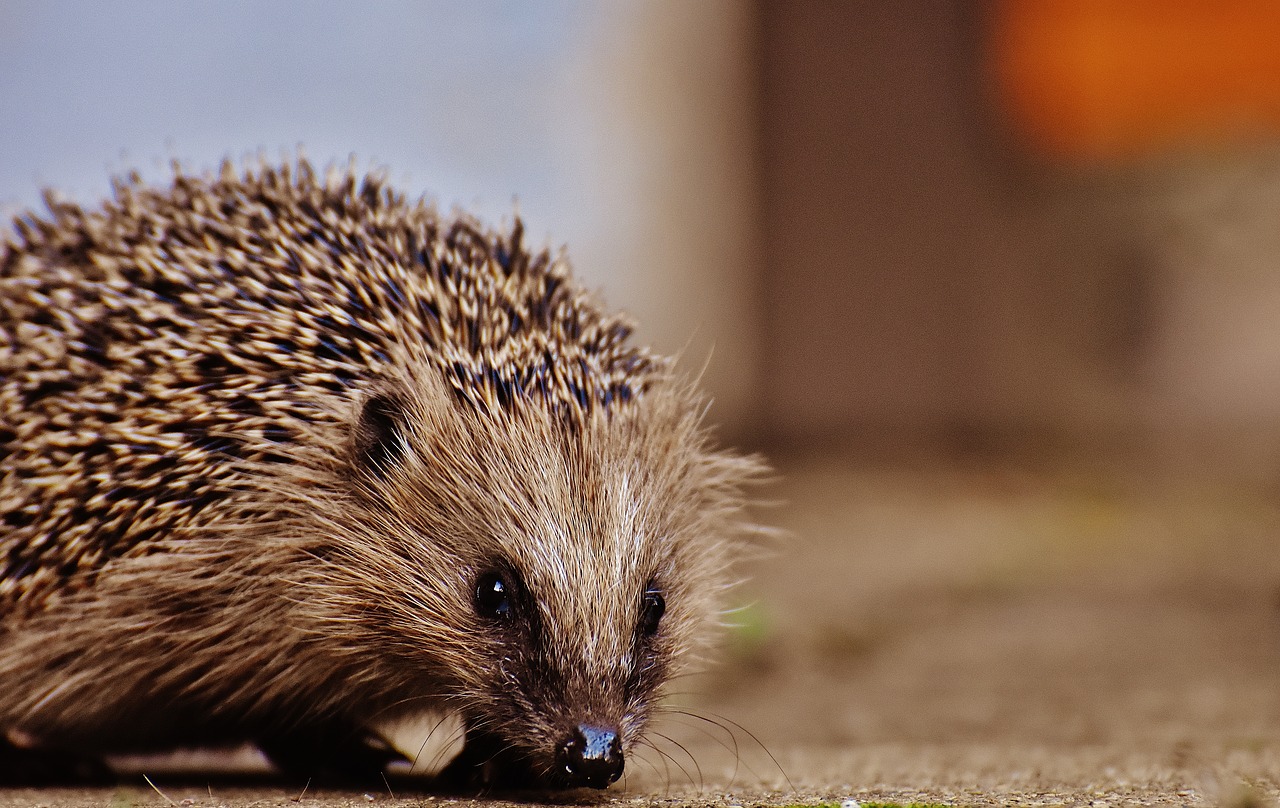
[(590, 756)]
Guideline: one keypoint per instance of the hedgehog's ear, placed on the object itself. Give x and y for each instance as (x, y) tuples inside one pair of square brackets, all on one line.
[(379, 440)]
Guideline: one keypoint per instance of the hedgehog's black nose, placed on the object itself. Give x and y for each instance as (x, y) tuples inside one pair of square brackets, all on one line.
[(590, 756)]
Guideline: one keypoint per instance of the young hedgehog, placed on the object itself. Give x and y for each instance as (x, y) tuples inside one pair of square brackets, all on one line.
[(285, 457)]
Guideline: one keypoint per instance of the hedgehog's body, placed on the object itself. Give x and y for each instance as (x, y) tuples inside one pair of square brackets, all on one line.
[(281, 458)]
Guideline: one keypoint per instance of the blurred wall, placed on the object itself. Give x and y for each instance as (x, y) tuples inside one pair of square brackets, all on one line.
[(673, 191), (920, 282), (1211, 224), (816, 203), (622, 130), (935, 278)]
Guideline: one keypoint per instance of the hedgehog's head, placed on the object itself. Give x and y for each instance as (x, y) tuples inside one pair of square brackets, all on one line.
[(547, 574)]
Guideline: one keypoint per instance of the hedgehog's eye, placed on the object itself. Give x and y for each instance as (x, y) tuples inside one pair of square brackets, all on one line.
[(493, 596), (651, 611)]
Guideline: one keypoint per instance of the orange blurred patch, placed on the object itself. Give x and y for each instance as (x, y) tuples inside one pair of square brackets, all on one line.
[(1097, 79)]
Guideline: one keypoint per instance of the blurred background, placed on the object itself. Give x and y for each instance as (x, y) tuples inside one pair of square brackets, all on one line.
[(971, 274), (1027, 225), (970, 227)]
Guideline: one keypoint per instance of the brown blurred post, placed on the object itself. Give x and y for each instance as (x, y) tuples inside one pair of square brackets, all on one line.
[(917, 288)]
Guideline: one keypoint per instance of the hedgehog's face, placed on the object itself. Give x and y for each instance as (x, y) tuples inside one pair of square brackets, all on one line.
[(568, 693), (581, 607), (580, 565)]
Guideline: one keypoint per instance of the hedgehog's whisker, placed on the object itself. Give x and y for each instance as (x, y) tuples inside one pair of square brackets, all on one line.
[(457, 737), (381, 711), (720, 721), (702, 783), (645, 746), (436, 757), (733, 750), (667, 760)]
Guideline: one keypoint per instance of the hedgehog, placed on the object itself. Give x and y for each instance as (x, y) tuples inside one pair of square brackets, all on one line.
[(285, 455)]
